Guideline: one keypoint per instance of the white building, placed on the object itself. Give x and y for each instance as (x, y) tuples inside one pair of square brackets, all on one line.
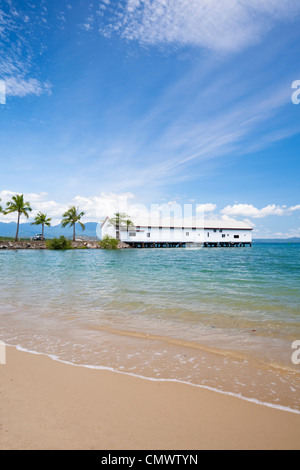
[(164, 233)]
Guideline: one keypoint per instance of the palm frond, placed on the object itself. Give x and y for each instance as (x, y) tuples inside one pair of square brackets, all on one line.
[(42, 219)]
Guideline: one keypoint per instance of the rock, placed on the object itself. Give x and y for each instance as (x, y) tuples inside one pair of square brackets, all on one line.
[(123, 246), (91, 246)]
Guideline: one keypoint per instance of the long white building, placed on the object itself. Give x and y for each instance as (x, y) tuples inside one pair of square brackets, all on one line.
[(168, 233)]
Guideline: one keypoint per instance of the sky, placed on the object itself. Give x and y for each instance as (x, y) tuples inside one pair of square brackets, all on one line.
[(134, 103)]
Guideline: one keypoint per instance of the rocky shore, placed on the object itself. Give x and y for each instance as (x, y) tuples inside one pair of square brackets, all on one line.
[(35, 245)]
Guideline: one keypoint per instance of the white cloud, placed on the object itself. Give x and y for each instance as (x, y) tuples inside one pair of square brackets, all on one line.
[(219, 25), (106, 204), (289, 234), (39, 203), (249, 222), (248, 210), (95, 208), (206, 207)]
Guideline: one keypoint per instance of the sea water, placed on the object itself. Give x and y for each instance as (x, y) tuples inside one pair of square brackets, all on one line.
[(221, 318)]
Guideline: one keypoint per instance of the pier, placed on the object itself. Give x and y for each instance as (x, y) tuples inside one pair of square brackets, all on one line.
[(190, 245)]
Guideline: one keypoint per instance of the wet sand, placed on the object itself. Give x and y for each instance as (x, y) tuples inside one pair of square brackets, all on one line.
[(45, 404)]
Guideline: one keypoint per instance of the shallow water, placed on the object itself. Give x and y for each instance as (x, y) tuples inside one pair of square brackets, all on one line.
[(220, 318)]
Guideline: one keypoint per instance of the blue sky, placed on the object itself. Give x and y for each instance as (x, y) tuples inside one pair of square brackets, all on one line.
[(153, 102)]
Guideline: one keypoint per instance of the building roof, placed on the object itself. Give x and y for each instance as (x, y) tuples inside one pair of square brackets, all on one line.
[(200, 223)]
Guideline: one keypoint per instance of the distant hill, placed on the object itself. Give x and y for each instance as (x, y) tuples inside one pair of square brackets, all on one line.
[(276, 240), (28, 230)]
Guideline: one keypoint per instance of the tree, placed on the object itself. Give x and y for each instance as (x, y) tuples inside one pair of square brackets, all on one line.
[(41, 219), (18, 205), (121, 220), (129, 224), (71, 217), (1, 210)]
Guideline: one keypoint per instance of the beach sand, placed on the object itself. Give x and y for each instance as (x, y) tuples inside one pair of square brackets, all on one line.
[(45, 404)]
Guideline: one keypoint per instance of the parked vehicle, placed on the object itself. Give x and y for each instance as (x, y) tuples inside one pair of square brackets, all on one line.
[(38, 237)]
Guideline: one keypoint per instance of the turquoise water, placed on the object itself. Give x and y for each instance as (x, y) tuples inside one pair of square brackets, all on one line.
[(219, 318)]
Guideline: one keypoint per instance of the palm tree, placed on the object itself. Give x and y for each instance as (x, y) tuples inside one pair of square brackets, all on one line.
[(18, 205), (119, 220), (71, 217), (129, 224), (41, 219)]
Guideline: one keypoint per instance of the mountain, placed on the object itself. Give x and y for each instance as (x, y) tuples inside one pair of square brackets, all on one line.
[(28, 230)]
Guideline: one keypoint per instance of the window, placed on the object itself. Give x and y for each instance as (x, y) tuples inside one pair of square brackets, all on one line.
[(221, 231), (208, 234), (148, 235), (132, 234), (215, 230), (223, 235), (187, 234), (236, 236)]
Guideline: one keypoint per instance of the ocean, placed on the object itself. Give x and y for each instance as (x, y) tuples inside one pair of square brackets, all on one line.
[(220, 318)]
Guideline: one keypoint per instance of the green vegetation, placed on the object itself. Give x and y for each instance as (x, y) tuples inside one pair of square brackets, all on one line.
[(59, 244), (71, 217), (18, 205), (42, 219), (109, 243)]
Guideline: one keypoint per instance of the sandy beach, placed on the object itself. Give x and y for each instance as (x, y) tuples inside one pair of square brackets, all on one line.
[(49, 405)]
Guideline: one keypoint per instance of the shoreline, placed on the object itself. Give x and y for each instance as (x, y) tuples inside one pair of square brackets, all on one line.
[(6, 245), (152, 378), (46, 404)]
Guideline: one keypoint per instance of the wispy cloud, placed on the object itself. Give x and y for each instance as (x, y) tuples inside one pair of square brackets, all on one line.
[(223, 26), (199, 131), (19, 47), (22, 87)]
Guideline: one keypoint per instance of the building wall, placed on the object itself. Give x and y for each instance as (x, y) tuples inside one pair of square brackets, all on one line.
[(179, 235), (156, 234), (226, 235)]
